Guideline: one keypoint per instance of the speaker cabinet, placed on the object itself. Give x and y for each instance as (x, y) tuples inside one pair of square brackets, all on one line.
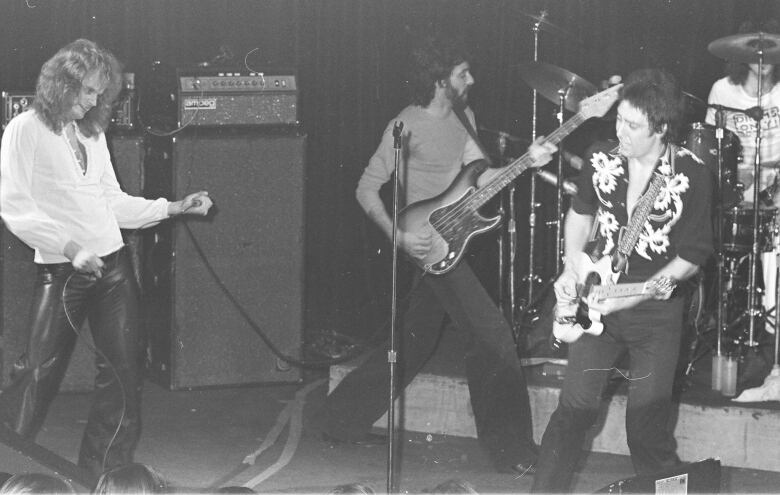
[(216, 283), (18, 274)]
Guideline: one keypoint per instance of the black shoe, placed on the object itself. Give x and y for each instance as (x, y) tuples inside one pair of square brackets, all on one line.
[(366, 440), (525, 469), (521, 468)]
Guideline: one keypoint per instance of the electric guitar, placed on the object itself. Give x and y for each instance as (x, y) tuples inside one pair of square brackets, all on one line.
[(453, 216), (599, 284)]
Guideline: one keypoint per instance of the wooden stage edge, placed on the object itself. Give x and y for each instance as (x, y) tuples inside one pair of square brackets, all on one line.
[(740, 435)]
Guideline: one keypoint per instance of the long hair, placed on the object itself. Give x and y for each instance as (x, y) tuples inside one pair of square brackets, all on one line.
[(60, 80), (656, 93), (433, 61), (738, 71), (133, 478), (36, 483)]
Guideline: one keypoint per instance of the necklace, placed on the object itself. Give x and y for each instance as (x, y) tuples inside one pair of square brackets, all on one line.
[(79, 151)]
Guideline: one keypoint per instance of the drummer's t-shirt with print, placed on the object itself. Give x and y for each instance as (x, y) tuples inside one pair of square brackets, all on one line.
[(725, 93)]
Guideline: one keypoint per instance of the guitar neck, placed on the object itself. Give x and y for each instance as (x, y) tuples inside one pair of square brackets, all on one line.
[(517, 167), (620, 290)]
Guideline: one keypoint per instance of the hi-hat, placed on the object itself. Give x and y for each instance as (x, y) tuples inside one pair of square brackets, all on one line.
[(748, 48), (550, 81)]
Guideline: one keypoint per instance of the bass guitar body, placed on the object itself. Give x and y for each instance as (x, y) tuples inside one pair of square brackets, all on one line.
[(450, 218)]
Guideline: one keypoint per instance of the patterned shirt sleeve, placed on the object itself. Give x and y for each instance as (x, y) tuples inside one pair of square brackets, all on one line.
[(692, 236)]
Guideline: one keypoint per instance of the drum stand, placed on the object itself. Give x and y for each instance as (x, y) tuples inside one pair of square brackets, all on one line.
[(754, 312), (531, 278)]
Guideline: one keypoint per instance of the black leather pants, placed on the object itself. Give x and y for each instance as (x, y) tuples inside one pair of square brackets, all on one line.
[(110, 304)]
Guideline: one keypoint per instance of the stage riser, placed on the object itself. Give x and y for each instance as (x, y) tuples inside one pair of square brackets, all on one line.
[(742, 437)]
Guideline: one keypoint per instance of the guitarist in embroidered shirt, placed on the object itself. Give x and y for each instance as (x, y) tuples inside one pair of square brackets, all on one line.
[(435, 146), (673, 240)]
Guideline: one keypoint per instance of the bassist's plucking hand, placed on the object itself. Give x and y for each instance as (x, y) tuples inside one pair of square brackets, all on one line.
[(417, 245)]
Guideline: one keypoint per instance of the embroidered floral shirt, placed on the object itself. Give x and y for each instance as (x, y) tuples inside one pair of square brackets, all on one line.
[(680, 223)]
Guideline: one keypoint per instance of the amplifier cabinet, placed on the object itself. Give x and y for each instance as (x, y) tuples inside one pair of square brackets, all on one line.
[(213, 279)]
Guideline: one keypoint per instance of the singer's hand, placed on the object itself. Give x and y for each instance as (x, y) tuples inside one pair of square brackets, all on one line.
[(84, 260), (197, 203)]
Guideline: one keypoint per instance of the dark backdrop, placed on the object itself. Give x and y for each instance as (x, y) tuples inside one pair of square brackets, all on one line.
[(350, 56)]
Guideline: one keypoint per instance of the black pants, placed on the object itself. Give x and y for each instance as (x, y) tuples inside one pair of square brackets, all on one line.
[(650, 333), (497, 386), (110, 304)]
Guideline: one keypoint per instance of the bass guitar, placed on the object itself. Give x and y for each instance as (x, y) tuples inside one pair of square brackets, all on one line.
[(599, 285), (453, 216)]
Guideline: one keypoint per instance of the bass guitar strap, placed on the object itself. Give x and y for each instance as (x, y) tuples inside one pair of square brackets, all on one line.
[(461, 114)]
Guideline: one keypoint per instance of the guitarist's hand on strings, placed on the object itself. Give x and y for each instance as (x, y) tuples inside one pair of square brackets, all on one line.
[(541, 151)]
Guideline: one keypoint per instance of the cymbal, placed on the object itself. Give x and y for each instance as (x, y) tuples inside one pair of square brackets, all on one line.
[(549, 80), (545, 25), (746, 48)]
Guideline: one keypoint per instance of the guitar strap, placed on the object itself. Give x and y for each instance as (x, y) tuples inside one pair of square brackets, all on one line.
[(630, 235), (461, 114)]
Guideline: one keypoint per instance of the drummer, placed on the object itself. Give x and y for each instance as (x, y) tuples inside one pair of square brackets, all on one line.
[(739, 90)]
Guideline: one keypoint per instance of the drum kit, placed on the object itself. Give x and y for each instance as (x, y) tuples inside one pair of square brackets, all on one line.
[(741, 302)]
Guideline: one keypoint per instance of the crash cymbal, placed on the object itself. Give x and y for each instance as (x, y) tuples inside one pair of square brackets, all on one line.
[(746, 48), (549, 80), (545, 25)]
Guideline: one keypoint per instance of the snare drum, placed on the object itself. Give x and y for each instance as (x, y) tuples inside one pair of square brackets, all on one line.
[(738, 229), (701, 142)]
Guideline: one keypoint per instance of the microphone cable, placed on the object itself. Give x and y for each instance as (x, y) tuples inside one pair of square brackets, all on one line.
[(95, 348)]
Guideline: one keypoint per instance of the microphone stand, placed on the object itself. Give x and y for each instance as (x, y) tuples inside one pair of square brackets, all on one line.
[(391, 353)]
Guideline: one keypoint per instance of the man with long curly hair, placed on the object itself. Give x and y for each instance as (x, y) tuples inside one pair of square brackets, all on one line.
[(59, 194)]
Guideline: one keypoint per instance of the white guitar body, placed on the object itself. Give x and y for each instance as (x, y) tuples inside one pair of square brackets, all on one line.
[(586, 319), (575, 318)]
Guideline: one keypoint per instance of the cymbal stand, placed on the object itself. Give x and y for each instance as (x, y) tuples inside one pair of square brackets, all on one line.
[(562, 93), (719, 262), (531, 277), (756, 186)]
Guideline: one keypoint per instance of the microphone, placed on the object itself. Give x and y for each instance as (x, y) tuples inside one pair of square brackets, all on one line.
[(755, 113), (569, 187), (397, 128)]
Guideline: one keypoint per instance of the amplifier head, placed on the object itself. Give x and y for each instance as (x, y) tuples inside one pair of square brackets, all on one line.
[(15, 103), (219, 96)]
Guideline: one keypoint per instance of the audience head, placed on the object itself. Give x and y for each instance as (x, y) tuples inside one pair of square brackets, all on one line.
[(453, 486), (235, 489), (36, 483), (352, 488), (132, 478)]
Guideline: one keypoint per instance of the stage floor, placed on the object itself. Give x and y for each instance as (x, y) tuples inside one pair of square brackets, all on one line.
[(200, 439)]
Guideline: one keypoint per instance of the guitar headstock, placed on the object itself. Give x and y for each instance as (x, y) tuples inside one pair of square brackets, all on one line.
[(600, 103), (661, 287)]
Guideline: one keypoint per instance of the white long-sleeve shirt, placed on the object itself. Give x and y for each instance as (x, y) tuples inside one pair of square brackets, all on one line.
[(47, 201)]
